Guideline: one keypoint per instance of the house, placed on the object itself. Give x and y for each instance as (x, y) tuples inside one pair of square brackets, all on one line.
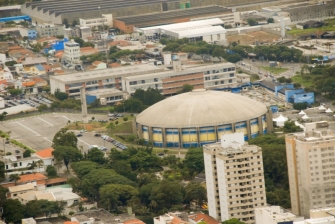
[(88, 51), (19, 53), (30, 61), (12, 163), (328, 35), (134, 221), (14, 191), (243, 78), (37, 178), (39, 82), (46, 156), (172, 218), (58, 72), (196, 218)]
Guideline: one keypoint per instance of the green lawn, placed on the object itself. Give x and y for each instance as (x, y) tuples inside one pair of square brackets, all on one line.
[(107, 108), (299, 32), (303, 82), (275, 70)]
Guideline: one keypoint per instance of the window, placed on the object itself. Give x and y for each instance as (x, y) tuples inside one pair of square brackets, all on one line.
[(231, 75)]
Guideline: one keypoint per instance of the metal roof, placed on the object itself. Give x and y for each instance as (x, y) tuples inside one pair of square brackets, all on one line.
[(174, 14), (66, 6), (201, 108)]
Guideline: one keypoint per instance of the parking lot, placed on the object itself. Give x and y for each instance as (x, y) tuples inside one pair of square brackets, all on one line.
[(37, 132)]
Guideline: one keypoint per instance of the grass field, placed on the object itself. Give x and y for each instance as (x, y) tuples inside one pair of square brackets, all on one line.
[(275, 70), (299, 32), (107, 108), (303, 82)]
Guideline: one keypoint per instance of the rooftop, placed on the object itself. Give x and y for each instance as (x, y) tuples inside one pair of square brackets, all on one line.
[(173, 14), (45, 153), (133, 221), (103, 216), (106, 73), (49, 196), (23, 187), (205, 22), (203, 218), (33, 61), (31, 177), (199, 31)]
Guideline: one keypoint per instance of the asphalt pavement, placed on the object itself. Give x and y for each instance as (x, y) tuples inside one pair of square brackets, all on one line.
[(37, 132)]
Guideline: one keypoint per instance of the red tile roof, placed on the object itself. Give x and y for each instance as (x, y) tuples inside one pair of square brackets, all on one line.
[(203, 218), (134, 221), (45, 153), (31, 177)]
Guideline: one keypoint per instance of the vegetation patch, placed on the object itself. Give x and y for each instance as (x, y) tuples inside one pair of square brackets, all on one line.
[(275, 70)]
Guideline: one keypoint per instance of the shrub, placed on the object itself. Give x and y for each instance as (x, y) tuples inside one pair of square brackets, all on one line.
[(125, 118)]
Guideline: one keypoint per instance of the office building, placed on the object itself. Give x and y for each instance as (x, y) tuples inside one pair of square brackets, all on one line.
[(211, 76), (311, 168), (94, 23), (201, 117), (97, 79), (72, 52), (234, 178)]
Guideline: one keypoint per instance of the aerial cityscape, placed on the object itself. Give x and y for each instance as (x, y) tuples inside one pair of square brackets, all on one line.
[(167, 112)]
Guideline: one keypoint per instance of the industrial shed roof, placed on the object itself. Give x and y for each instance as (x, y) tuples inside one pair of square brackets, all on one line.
[(174, 14)]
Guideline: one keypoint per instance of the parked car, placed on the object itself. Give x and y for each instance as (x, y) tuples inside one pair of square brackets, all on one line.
[(17, 151), (97, 135), (79, 135)]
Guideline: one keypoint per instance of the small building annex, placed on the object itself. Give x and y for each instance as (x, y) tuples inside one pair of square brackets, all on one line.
[(209, 30), (291, 94)]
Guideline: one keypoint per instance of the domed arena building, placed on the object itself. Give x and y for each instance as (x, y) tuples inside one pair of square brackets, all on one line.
[(200, 117)]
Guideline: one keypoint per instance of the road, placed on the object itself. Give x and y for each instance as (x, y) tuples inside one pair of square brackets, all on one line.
[(256, 68)]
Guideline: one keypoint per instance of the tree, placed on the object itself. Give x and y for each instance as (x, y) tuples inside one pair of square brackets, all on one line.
[(42, 107), (90, 184), (3, 116), (196, 192), (88, 44), (14, 178), (66, 154), (185, 88), (79, 41), (2, 172), (64, 138), (289, 127), (74, 23), (125, 118), (194, 160), (66, 23), (61, 95), (10, 63), (167, 194), (300, 106), (96, 155), (113, 194), (270, 20), (233, 221), (51, 171), (13, 211), (15, 92), (84, 167), (252, 22), (26, 153)]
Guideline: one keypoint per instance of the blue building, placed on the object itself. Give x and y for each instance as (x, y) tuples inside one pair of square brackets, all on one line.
[(57, 46), (15, 18), (291, 94), (32, 34)]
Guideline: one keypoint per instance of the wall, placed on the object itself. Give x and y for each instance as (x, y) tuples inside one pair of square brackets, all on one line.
[(278, 88), (290, 93), (304, 97)]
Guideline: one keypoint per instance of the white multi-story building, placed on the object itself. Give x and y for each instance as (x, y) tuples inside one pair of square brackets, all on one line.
[(273, 215), (234, 178), (72, 52), (311, 168), (107, 19)]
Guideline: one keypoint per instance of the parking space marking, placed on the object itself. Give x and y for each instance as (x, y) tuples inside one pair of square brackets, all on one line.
[(67, 118), (27, 128), (45, 121), (45, 138), (83, 141)]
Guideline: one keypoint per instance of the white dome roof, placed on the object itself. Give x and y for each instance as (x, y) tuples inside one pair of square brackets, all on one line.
[(201, 108)]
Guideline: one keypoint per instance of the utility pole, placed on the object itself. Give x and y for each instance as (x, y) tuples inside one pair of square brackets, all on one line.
[(104, 43)]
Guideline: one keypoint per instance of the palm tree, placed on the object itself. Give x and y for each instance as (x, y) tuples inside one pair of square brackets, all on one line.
[(40, 163), (153, 205), (14, 177)]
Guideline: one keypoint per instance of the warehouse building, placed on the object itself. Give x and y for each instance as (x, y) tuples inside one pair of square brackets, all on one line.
[(200, 117), (56, 11), (127, 24)]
